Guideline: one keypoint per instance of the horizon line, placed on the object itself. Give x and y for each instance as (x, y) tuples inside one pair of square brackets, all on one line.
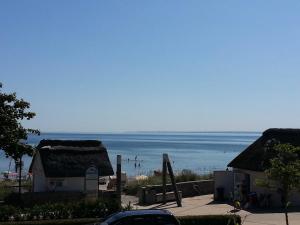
[(154, 131)]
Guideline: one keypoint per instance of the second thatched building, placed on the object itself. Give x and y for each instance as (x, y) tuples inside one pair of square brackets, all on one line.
[(69, 165)]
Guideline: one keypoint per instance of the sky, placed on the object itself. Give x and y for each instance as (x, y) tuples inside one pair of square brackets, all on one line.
[(114, 66)]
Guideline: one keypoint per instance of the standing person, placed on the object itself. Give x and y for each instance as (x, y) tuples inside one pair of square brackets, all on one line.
[(135, 165), (135, 158)]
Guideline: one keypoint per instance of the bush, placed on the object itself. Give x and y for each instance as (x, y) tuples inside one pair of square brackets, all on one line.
[(6, 187), (189, 175), (52, 211), (6, 212), (184, 175), (4, 190), (13, 199), (132, 186), (210, 220)]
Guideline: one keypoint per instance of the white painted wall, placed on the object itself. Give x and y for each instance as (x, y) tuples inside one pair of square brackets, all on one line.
[(68, 183), (39, 179), (275, 198), (41, 183), (223, 179)]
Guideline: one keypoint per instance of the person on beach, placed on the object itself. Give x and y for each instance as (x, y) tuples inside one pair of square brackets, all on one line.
[(135, 158), (135, 165)]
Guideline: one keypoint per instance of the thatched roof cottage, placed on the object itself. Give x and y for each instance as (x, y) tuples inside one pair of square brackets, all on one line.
[(61, 165), (249, 166)]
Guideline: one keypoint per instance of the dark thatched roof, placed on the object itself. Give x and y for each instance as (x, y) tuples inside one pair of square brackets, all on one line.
[(68, 158), (252, 158)]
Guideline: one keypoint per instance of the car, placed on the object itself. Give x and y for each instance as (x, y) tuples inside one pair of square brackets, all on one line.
[(142, 217)]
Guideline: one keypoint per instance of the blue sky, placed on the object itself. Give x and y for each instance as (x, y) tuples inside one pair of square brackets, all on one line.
[(96, 66)]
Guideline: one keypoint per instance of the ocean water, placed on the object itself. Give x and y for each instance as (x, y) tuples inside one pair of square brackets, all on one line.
[(201, 152)]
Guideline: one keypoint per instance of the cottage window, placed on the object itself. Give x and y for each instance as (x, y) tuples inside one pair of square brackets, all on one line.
[(55, 184), (59, 183)]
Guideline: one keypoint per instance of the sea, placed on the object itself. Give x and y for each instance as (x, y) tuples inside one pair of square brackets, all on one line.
[(201, 152)]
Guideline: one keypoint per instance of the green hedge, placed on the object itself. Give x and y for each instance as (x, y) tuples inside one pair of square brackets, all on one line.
[(210, 220), (59, 211)]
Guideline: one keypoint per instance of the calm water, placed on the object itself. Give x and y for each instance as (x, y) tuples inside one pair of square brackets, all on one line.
[(199, 151)]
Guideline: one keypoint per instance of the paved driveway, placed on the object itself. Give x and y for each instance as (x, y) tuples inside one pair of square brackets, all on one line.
[(204, 205)]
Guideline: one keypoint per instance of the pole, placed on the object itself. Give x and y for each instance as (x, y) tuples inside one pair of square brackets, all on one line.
[(119, 185), (164, 177), (20, 174), (173, 181)]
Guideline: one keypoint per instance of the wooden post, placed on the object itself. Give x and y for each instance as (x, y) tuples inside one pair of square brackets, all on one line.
[(164, 178), (20, 175), (98, 191), (119, 184), (173, 181)]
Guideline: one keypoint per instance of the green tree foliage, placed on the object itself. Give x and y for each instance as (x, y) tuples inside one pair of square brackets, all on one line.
[(285, 169), (12, 112), (12, 133)]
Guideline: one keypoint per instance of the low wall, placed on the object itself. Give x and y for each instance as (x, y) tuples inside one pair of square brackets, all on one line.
[(188, 189), (107, 194)]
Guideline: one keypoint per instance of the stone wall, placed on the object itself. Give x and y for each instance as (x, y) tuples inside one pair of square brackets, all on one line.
[(188, 189)]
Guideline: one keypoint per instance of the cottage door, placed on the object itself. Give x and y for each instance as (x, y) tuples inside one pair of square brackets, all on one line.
[(238, 181), (92, 181), (241, 186)]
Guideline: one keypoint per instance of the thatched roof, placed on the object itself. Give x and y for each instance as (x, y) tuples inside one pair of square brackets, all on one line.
[(252, 158), (68, 158)]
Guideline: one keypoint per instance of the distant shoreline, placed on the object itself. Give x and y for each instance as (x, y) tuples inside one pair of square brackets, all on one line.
[(201, 152), (150, 132)]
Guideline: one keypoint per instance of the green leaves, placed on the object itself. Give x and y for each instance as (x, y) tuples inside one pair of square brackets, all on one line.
[(285, 168), (12, 112), (50, 211)]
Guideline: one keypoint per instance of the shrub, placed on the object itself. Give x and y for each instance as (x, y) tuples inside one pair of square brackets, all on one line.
[(35, 212), (184, 175), (189, 175), (127, 207), (62, 211), (210, 220), (6, 212), (52, 211), (4, 189), (13, 199), (132, 186)]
